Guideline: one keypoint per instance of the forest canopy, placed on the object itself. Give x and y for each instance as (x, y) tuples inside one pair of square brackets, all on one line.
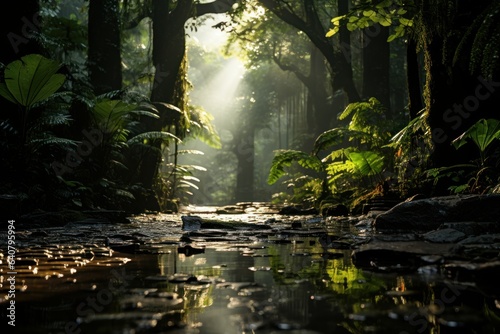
[(115, 105)]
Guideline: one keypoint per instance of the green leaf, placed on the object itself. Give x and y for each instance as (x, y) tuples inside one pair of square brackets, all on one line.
[(386, 21), (332, 32), (337, 19), (392, 37), (153, 135), (351, 26), (285, 158), (405, 22), (482, 133), (383, 4), (367, 162), (31, 79), (111, 115), (5, 92), (329, 138), (368, 13)]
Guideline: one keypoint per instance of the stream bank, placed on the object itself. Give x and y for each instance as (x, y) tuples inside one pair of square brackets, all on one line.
[(249, 268)]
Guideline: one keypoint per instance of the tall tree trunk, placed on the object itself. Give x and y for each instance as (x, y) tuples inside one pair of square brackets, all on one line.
[(244, 151), (104, 54), (311, 25), (455, 98), (323, 116), (169, 46), (413, 79), (341, 64), (169, 52), (376, 64)]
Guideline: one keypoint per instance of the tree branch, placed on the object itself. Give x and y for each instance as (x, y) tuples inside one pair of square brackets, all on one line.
[(215, 7), (317, 37)]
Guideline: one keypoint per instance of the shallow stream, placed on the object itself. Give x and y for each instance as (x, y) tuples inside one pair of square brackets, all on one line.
[(146, 278)]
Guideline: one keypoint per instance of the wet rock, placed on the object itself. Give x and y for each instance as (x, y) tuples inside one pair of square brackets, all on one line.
[(335, 210), (189, 250), (230, 210), (125, 247), (428, 214), (195, 223), (444, 235), (395, 237), (473, 272), (364, 223), (113, 216), (294, 210), (474, 228), (45, 219), (379, 204), (485, 239), (402, 253), (191, 223)]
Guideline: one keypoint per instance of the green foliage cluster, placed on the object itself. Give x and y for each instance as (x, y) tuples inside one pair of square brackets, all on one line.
[(362, 160), (96, 170), (367, 13), (68, 148), (347, 163), (481, 174), (456, 42)]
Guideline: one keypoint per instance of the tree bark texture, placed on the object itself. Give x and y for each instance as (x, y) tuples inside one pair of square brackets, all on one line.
[(376, 64), (312, 27)]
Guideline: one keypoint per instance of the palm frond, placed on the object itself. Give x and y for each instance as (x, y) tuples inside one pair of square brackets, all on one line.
[(153, 135)]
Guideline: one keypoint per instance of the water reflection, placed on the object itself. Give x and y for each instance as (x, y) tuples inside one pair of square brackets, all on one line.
[(225, 288)]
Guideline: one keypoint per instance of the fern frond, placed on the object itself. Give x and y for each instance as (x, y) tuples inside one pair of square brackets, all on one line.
[(480, 44), (189, 184), (285, 158), (124, 193), (52, 120), (195, 152), (38, 143), (153, 135), (338, 136)]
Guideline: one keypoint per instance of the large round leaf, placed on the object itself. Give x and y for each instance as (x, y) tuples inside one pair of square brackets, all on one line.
[(31, 79)]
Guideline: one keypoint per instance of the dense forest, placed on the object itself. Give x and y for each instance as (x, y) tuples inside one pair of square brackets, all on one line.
[(308, 102)]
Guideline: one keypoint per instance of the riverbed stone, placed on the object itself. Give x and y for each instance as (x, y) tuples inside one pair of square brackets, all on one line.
[(444, 235), (428, 214), (474, 228), (406, 253)]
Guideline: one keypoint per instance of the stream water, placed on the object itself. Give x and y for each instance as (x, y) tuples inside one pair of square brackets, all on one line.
[(241, 281)]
